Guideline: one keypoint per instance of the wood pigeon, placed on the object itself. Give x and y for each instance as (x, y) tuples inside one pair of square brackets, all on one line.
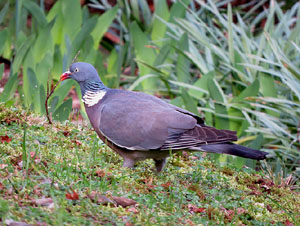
[(139, 126)]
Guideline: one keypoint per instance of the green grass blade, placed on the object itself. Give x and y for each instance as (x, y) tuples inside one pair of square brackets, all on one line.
[(103, 23)]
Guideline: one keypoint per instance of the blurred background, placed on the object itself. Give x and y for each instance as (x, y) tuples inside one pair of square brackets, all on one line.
[(234, 63)]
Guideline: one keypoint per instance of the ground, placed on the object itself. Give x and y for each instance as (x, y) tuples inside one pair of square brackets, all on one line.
[(62, 174)]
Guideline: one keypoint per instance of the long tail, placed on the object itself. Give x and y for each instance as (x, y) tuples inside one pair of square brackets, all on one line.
[(233, 149)]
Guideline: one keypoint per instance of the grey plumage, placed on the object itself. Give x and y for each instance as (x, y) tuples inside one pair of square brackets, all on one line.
[(139, 126)]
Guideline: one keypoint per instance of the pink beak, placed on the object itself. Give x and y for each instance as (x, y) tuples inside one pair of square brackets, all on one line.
[(65, 75)]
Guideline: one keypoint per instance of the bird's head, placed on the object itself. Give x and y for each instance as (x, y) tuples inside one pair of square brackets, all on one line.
[(81, 72)]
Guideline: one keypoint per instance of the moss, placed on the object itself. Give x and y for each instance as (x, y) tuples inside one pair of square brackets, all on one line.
[(63, 156)]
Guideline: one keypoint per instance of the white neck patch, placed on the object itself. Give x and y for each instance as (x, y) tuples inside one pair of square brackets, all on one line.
[(91, 98)]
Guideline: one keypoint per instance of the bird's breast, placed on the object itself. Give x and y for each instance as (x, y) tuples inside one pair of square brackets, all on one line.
[(91, 98)]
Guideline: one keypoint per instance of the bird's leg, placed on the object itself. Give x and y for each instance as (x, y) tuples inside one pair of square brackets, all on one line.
[(159, 164), (129, 163)]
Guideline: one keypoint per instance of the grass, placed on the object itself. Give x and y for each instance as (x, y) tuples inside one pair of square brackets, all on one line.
[(62, 174)]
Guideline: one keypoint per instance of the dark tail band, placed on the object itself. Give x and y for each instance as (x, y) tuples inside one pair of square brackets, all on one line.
[(233, 149)]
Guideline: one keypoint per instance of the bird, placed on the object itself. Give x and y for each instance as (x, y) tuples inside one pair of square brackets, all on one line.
[(140, 126)]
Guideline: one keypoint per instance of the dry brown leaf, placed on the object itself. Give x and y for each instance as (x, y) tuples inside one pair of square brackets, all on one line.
[(128, 224), (194, 209), (10, 222), (44, 201), (124, 202), (5, 138), (2, 166), (133, 210), (288, 223), (240, 210), (166, 185), (99, 199), (72, 196)]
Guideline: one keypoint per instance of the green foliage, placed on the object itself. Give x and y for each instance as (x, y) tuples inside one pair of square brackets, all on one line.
[(47, 48)]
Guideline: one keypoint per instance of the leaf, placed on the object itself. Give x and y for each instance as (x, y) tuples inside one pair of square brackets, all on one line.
[(3, 13), (183, 63), (215, 91), (42, 97), (102, 25), (72, 18), (61, 92), (43, 43), (1, 70), (144, 54), (288, 223), (42, 68), (10, 88), (230, 34), (100, 199), (36, 12), (178, 9), (217, 94), (267, 85), (44, 201), (221, 122), (194, 209), (251, 90), (188, 101), (21, 53), (72, 196), (33, 90), (3, 37), (63, 111), (235, 124), (57, 31), (133, 210), (158, 27), (82, 36), (5, 139), (10, 222), (202, 84), (124, 202)]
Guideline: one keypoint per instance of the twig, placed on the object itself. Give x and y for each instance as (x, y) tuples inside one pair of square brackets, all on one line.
[(75, 58), (48, 96)]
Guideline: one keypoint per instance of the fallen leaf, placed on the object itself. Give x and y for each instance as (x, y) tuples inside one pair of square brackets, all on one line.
[(41, 224), (10, 222), (72, 196), (124, 202), (46, 181), (66, 133), (229, 214), (37, 190), (133, 210), (5, 139), (102, 173), (77, 142), (128, 224), (269, 208), (195, 209), (240, 210), (288, 223), (43, 201), (189, 222), (166, 185), (2, 166), (99, 199)]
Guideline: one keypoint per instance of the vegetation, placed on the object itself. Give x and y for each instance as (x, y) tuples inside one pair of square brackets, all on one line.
[(237, 67), (63, 175)]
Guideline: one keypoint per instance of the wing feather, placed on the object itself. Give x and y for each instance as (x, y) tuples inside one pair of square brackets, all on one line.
[(198, 136)]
